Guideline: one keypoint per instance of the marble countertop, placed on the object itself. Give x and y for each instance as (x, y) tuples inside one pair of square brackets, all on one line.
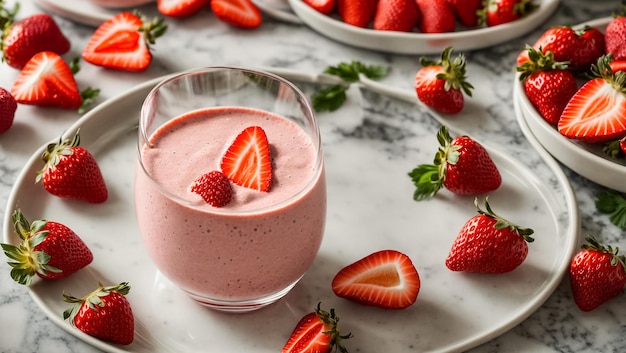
[(558, 325)]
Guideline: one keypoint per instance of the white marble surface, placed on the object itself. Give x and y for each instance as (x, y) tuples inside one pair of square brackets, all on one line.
[(558, 326)]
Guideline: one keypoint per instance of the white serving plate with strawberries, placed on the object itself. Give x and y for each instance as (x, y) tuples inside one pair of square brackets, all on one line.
[(454, 311), (421, 43), (586, 159)]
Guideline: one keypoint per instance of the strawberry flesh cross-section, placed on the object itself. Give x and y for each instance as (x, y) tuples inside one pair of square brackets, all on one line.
[(247, 162)]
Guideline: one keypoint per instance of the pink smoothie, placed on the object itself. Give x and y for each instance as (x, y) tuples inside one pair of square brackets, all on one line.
[(261, 242)]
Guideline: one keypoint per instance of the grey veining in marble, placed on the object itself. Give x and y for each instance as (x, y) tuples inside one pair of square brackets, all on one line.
[(558, 326)]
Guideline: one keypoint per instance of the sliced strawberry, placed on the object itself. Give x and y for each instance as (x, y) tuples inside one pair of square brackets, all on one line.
[(123, 42), (238, 13), (323, 6), (247, 162), (385, 278), (47, 80), (180, 8), (214, 187), (316, 332)]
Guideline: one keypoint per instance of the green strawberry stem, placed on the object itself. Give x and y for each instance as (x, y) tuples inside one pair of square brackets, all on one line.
[(7, 17), (614, 204), (151, 29), (612, 148), (603, 70), (539, 61), (51, 156), (329, 318), (593, 244), (92, 299), (454, 72), (502, 223)]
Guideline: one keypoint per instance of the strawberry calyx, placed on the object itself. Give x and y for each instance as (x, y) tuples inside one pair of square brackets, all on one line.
[(93, 299), (502, 223), (7, 18), (593, 244), (604, 70), (539, 61), (332, 322), (453, 72), (151, 29), (26, 261), (51, 156)]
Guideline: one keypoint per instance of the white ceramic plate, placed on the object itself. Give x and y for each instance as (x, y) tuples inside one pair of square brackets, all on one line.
[(88, 13), (370, 208), (420, 43), (586, 159)]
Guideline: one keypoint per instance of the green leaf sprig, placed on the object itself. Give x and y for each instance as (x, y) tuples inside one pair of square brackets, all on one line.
[(614, 204), (332, 98)]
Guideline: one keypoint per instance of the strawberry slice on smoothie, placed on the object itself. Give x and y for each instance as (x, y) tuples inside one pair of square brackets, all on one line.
[(248, 162)]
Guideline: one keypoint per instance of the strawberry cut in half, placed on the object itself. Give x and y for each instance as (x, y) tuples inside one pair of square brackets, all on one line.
[(597, 112), (386, 279), (248, 162), (316, 332), (238, 13)]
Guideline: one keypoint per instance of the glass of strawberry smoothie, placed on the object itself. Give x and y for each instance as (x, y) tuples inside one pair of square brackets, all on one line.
[(230, 192)]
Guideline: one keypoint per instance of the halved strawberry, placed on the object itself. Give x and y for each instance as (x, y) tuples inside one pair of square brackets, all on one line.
[(248, 162), (597, 112), (214, 187), (122, 42), (180, 8), (238, 13), (386, 279), (47, 80), (316, 332)]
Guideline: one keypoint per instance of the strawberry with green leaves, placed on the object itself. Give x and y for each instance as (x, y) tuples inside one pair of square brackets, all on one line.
[(548, 84), (497, 12), (180, 8), (461, 165), (239, 13), (597, 111), (596, 275), (316, 332), (359, 13), (386, 279), (396, 15), (441, 84), (488, 243), (49, 250), (105, 314), (214, 188), (8, 107), (70, 171), (248, 161), (437, 16), (123, 42)]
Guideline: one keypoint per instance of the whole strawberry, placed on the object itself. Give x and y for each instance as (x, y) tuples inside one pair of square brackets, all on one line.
[(461, 165), (358, 13), (441, 84), (104, 313), (316, 332), (30, 36), (71, 172), (8, 106), (437, 16), (48, 249), (497, 12), (548, 84), (396, 15), (466, 11), (488, 243), (214, 188), (596, 275), (615, 35)]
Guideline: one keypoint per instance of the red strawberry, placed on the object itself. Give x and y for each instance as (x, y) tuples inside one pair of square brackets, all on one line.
[(549, 85), (597, 40), (596, 275), (48, 249), (615, 148), (497, 12), (71, 172), (123, 42), (180, 8), (324, 6), (466, 11), (462, 165), (238, 13), (214, 187), (396, 15), (316, 332), (597, 112), (488, 243), (387, 279), (247, 162), (8, 106), (615, 35), (47, 80), (104, 313), (618, 65), (358, 13), (440, 85), (436, 16), (34, 34)]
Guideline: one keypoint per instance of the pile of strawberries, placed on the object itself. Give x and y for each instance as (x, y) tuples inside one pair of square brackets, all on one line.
[(426, 16)]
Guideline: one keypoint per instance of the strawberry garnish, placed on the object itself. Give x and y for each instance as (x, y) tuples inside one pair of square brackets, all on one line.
[(323, 6), (247, 162), (238, 13), (48, 249), (104, 313), (180, 8), (596, 275), (488, 243), (8, 106), (71, 172), (316, 332), (386, 279), (123, 42), (461, 165), (214, 187), (597, 112)]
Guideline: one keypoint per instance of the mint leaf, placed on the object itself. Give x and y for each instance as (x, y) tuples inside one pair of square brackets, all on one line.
[(613, 204), (329, 99)]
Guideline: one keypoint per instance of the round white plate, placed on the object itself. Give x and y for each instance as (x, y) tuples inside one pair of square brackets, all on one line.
[(586, 159), (88, 13), (421, 43), (370, 208)]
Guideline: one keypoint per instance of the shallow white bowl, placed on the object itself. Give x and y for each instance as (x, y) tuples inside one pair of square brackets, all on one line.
[(420, 43)]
